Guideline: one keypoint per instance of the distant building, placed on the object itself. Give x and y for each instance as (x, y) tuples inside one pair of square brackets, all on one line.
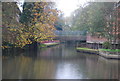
[(95, 39), (116, 23), (118, 20)]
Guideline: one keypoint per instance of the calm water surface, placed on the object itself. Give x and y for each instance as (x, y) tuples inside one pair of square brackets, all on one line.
[(59, 62)]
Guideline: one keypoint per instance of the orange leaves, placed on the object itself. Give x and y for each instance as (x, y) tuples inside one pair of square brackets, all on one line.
[(48, 17), (3, 47), (40, 28), (36, 14)]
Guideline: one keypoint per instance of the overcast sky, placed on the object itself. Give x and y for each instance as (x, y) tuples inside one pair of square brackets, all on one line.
[(67, 6)]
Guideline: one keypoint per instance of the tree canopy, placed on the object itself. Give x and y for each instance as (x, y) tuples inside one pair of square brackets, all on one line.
[(36, 23), (92, 17)]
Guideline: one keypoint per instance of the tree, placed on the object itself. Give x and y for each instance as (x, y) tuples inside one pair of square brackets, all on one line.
[(42, 19), (93, 18), (96, 19), (10, 23), (26, 17), (36, 23), (59, 24)]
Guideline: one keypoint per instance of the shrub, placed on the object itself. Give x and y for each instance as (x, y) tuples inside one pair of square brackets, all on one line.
[(107, 45)]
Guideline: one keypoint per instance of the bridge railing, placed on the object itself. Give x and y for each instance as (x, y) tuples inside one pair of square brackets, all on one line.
[(70, 33)]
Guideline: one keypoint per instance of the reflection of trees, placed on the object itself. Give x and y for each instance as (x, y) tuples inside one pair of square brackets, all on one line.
[(57, 52), (44, 69), (25, 67), (102, 69), (18, 67), (57, 60)]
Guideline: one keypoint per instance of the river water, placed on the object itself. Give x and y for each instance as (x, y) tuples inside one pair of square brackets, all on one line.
[(59, 62)]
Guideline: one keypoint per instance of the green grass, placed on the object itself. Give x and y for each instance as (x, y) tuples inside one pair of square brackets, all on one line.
[(86, 49), (110, 50), (50, 44), (42, 45)]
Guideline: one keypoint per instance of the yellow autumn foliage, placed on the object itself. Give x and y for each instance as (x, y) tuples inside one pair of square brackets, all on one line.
[(42, 29)]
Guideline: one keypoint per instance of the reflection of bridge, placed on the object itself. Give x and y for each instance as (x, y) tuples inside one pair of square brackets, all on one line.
[(71, 35)]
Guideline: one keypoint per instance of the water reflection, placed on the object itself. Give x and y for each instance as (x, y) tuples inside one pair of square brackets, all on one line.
[(59, 62)]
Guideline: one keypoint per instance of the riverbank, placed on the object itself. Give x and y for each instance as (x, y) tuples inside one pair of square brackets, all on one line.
[(110, 53), (29, 47), (106, 53), (49, 44), (87, 50)]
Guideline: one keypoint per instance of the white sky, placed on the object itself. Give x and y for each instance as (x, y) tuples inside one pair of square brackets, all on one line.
[(68, 6), (20, 3)]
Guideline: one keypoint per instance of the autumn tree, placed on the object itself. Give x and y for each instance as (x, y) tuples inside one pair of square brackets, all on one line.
[(42, 21), (36, 23)]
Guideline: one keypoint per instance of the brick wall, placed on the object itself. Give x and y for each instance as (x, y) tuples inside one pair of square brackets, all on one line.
[(95, 39)]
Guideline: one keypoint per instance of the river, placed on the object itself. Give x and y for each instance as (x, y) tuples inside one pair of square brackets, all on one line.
[(58, 62)]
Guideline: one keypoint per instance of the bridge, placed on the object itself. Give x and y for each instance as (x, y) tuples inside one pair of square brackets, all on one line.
[(71, 35)]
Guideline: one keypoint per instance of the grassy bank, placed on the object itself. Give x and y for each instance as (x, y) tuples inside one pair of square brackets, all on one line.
[(110, 50), (107, 50), (86, 49), (49, 44), (107, 53)]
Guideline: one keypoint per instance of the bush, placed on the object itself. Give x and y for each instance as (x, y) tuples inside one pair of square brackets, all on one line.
[(107, 45)]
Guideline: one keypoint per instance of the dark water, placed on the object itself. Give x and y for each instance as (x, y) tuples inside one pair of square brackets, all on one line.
[(59, 62)]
